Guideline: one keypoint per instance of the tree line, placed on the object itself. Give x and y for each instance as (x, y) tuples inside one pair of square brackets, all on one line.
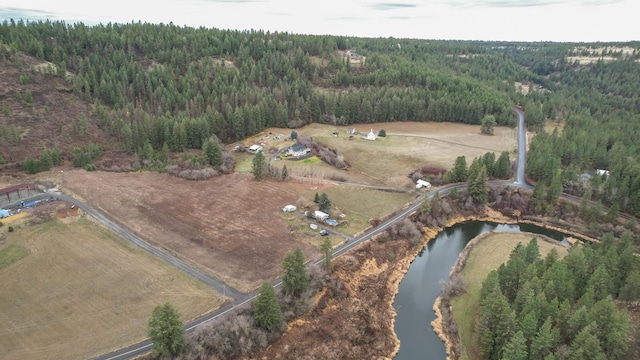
[(551, 308), (180, 85)]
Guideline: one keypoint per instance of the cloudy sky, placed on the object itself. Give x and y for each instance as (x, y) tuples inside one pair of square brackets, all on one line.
[(512, 20)]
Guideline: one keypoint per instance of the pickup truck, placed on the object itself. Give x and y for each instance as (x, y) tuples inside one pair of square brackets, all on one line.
[(324, 232)]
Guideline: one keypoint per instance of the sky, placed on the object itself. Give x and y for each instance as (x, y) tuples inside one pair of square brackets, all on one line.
[(508, 20)]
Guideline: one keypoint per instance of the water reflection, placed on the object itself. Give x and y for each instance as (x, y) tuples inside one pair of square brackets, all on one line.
[(421, 285)]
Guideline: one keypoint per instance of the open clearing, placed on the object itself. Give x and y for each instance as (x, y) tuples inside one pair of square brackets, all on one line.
[(81, 291), (388, 160), (230, 226), (487, 255), (408, 145)]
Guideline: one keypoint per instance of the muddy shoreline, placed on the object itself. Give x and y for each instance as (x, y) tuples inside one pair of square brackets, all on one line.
[(361, 325)]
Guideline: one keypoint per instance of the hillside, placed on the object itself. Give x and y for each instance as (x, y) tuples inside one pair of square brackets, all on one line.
[(54, 117), (178, 86)]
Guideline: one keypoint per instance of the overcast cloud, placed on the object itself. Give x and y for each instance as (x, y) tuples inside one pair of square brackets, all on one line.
[(512, 20)]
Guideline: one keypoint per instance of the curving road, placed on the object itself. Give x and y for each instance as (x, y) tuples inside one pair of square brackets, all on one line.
[(349, 244), (238, 297)]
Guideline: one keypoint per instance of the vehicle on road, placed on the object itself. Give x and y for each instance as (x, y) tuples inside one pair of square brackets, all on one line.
[(324, 232)]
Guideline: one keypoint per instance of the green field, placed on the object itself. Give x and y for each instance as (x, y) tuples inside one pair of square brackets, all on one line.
[(486, 256)]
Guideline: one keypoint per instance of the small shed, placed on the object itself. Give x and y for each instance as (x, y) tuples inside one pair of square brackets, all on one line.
[(255, 148)]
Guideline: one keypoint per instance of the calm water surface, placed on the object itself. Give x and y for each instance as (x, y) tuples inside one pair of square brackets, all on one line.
[(421, 286)]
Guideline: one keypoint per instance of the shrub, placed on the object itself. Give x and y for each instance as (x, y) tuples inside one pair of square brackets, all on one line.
[(10, 229), (455, 287), (200, 174)]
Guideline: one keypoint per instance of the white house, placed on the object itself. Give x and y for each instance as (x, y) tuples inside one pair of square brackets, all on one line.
[(297, 149), (255, 148), (370, 136)]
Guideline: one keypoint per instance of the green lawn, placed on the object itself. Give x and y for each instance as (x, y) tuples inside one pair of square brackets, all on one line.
[(11, 254)]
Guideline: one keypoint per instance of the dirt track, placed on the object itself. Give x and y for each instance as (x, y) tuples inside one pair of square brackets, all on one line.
[(230, 226)]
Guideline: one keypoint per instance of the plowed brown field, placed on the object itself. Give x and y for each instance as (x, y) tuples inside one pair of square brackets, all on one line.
[(229, 226)]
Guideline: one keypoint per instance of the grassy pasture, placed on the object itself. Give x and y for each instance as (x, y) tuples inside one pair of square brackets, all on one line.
[(487, 255), (81, 291), (408, 145), (359, 203)]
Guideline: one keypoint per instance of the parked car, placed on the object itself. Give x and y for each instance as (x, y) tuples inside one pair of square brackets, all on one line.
[(324, 232)]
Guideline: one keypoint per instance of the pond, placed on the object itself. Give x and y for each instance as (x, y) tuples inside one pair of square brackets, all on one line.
[(422, 285)]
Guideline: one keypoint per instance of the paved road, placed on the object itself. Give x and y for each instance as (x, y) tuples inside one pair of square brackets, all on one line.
[(522, 148)]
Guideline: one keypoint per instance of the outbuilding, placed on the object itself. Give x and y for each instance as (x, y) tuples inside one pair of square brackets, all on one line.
[(289, 208), (320, 215), (423, 184)]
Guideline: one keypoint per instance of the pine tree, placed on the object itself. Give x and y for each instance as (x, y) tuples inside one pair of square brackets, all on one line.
[(294, 135), (459, 171), (316, 199), (294, 274), (586, 345), (327, 250), (266, 309), (164, 329), (538, 194), (259, 166), (501, 168), (630, 291), (555, 188), (285, 173), (324, 204), (516, 348), (478, 187), (212, 152), (545, 341)]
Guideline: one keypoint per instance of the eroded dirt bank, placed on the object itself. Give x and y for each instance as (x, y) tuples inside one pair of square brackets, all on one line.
[(361, 325)]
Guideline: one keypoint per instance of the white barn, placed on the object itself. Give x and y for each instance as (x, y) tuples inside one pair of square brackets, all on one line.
[(370, 136)]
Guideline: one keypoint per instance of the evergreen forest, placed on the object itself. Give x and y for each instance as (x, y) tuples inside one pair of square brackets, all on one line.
[(166, 88), (533, 308)]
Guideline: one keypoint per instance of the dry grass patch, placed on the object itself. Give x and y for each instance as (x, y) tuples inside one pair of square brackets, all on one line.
[(81, 292), (408, 145), (487, 255), (229, 226), (359, 204)]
